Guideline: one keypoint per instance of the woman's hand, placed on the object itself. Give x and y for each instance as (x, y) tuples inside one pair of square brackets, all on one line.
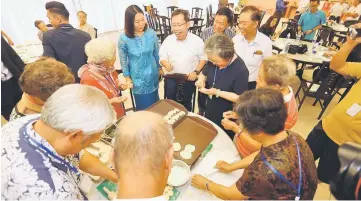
[(224, 167), (123, 87), (230, 115), (199, 181), (118, 100), (129, 83), (230, 125), (211, 92), (200, 83)]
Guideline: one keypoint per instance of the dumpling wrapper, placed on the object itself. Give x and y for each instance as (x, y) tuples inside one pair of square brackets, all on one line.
[(186, 155), (190, 148), (177, 146)]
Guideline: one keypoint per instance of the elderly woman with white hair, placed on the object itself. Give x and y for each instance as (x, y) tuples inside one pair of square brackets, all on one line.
[(223, 79), (41, 155), (100, 72)]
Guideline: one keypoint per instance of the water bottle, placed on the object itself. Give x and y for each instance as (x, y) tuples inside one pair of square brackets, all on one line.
[(287, 47), (314, 47), (298, 37)]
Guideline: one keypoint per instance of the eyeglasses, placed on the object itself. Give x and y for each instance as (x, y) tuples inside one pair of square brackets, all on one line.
[(177, 25)]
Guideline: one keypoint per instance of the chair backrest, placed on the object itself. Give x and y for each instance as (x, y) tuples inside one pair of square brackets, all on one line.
[(210, 9), (197, 24), (165, 27), (324, 34), (96, 32), (197, 12), (153, 12), (208, 17), (263, 13), (171, 9)]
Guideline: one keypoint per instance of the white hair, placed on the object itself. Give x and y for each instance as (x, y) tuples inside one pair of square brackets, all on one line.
[(78, 107), (143, 140), (100, 50)]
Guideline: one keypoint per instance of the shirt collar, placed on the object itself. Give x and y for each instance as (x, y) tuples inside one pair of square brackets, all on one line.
[(183, 41), (256, 40), (66, 26)]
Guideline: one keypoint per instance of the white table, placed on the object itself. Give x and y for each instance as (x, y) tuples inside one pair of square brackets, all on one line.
[(223, 149), (29, 52), (307, 57), (338, 27)]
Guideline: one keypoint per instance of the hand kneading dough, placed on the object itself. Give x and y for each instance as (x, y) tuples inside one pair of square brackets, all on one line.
[(177, 146)]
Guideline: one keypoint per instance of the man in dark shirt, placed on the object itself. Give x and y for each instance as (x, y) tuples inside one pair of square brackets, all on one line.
[(64, 42)]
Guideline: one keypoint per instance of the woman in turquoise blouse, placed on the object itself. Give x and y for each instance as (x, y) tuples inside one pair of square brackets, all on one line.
[(138, 52)]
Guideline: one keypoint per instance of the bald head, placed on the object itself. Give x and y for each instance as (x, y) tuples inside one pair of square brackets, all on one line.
[(143, 141)]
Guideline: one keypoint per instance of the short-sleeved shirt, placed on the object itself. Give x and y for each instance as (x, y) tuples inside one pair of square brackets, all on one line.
[(208, 32), (339, 126), (67, 44), (354, 9), (338, 9), (233, 78), (29, 172), (259, 182), (185, 55), (89, 29), (309, 21), (247, 52)]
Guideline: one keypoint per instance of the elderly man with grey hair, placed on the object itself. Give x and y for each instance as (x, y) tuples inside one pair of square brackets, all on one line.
[(223, 79), (41, 155), (143, 156)]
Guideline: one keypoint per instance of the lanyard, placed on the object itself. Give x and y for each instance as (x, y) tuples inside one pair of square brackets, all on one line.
[(112, 82), (214, 78), (298, 189), (45, 150)]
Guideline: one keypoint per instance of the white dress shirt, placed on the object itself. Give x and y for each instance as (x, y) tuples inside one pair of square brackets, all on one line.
[(183, 56), (89, 29), (354, 9), (247, 51), (338, 9)]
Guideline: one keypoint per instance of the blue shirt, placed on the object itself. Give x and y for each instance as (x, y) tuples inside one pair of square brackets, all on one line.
[(309, 21), (139, 58)]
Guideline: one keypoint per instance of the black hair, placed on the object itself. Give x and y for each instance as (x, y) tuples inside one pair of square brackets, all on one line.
[(262, 110), (129, 18), (37, 22), (226, 12), (185, 14), (57, 8), (256, 13)]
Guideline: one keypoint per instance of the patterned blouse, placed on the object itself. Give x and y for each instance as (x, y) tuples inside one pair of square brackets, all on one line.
[(139, 59), (259, 182), (31, 169)]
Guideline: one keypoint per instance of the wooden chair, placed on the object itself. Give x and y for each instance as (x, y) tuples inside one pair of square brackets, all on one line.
[(197, 25), (197, 12), (171, 9), (96, 32), (165, 27)]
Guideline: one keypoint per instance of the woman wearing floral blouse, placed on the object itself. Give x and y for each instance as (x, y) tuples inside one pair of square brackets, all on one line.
[(139, 59)]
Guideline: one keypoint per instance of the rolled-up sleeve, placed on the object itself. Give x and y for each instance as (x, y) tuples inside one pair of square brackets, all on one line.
[(268, 49), (123, 56), (201, 53), (156, 48), (163, 51)]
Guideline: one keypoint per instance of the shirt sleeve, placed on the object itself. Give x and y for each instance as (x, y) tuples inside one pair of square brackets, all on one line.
[(163, 51), (48, 49), (323, 18), (254, 185), (268, 49), (123, 57), (300, 21), (201, 54), (156, 48), (241, 83), (354, 69), (206, 68)]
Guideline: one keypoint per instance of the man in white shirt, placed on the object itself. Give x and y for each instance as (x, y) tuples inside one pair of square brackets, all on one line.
[(84, 26), (143, 157), (337, 10), (354, 12), (250, 44), (182, 53), (302, 7)]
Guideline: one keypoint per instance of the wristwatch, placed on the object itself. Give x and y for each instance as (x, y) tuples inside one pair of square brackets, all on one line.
[(197, 72)]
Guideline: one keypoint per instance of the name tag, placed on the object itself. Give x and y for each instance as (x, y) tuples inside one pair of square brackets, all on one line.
[(353, 110)]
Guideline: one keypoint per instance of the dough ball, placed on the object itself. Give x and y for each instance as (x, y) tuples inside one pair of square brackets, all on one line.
[(190, 148), (186, 155), (177, 146)]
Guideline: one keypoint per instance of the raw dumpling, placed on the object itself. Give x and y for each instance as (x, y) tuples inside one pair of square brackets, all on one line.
[(177, 146), (186, 155), (190, 148)]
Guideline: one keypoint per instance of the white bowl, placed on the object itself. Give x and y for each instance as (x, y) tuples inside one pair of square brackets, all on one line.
[(174, 178)]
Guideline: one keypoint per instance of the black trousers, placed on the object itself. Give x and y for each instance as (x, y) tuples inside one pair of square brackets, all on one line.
[(334, 18), (325, 149), (10, 96), (202, 99), (252, 85), (180, 91)]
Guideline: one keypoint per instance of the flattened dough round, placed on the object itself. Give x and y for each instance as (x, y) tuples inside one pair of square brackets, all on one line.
[(190, 148), (177, 146), (186, 155)]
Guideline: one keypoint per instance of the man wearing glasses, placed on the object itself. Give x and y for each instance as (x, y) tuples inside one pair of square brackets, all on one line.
[(182, 53), (311, 20)]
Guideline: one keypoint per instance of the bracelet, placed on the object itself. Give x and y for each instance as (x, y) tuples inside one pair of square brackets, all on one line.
[(218, 93)]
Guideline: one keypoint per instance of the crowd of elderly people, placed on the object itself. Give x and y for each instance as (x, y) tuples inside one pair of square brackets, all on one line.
[(246, 92)]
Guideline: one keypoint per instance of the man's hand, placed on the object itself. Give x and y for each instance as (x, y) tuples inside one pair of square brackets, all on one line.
[(200, 83), (224, 167), (118, 100), (308, 32), (167, 66), (230, 125), (230, 115), (356, 26), (199, 181), (192, 76), (10, 42)]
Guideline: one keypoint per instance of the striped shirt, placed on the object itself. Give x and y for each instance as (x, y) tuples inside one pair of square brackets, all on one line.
[(208, 32)]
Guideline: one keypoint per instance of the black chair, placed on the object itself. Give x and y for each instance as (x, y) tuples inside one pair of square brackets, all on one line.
[(197, 12), (171, 9), (328, 82), (96, 32), (263, 13), (326, 34), (347, 85), (153, 12), (292, 28), (197, 25), (165, 27), (210, 18), (279, 50)]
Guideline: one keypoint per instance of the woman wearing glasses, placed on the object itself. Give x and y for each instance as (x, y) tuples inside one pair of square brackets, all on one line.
[(223, 79), (138, 52)]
